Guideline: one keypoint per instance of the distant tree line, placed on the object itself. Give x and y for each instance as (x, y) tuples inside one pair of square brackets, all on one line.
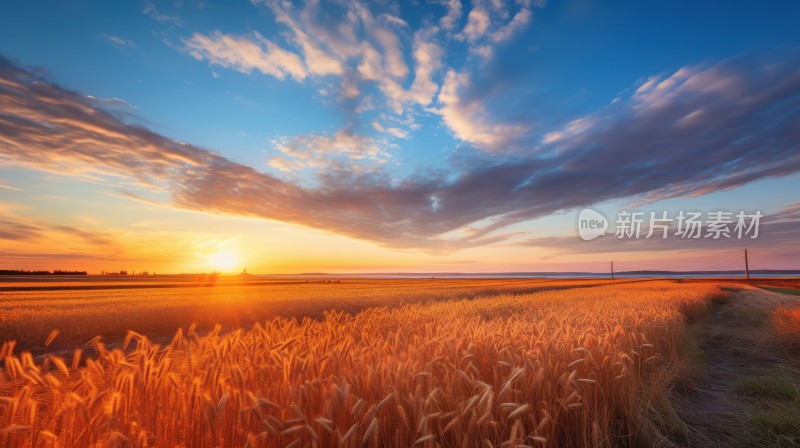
[(26, 272), (125, 272)]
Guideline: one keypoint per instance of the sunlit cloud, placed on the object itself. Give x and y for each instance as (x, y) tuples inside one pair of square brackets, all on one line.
[(316, 150), (454, 12), (469, 120), (246, 54)]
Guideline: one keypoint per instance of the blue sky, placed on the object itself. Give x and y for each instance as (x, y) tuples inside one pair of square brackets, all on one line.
[(422, 128)]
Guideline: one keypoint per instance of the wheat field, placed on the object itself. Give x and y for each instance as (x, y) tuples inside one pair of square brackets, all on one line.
[(29, 311), (573, 367), (787, 322)]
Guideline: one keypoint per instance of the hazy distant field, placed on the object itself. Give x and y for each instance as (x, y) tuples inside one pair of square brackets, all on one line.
[(84, 307)]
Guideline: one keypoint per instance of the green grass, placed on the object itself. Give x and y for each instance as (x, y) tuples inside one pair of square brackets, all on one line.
[(775, 385), (783, 420), (722, 298), (794, 292), (694, 364)]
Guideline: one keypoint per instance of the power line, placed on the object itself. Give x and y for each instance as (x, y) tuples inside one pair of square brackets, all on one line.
[(731, 261)]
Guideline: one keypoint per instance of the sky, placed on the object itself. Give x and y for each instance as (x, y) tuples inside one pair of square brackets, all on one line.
[(425, 136)]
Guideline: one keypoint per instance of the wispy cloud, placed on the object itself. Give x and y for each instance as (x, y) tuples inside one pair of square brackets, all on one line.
[(344, 148), (246, 54), (9, 187), (152, 11), (111, 102), (488, 24), (22, 240), (118, 41), (13, 230)]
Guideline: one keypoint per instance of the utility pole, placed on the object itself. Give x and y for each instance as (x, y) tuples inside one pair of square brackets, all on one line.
[(612, 270), (746, 266)]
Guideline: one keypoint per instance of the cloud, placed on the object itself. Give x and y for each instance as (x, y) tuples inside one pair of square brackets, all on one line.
[(118, 41), (94, 238), (111, 102), (18, 231), (151, 11), (477, 24), (454, 12), (701, 129), (316, 58), (344, 148), (642, 146), (360, 47), (468, 119), (9, 187), (356, 48), (486, 28), (246, 54), (428, 57), (397, 132), (521, 19), (394, 61), (101, 248)]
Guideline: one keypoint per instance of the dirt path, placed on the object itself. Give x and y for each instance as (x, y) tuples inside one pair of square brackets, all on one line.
[(745, 391)]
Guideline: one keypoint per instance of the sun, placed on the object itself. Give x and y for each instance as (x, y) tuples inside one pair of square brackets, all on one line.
[(223, 261)]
